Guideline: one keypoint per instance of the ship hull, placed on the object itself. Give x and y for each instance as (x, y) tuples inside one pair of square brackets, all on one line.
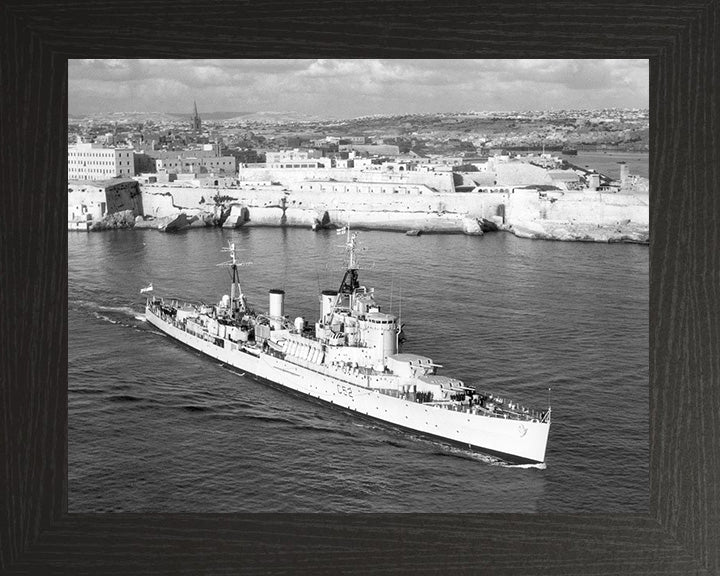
[(514, 441)]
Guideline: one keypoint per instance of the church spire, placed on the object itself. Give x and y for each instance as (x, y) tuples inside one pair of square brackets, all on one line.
[(196, 122)]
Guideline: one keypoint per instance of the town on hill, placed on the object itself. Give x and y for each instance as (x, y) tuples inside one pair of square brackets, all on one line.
[(568, 174)]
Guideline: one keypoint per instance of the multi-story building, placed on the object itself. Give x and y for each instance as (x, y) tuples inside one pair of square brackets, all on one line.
[(97, 162), (293, 159), (185, 164)]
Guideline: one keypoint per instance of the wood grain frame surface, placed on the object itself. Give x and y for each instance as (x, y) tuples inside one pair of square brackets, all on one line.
[(680, 534)]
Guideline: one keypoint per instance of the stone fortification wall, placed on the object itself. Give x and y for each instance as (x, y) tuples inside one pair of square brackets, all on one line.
[(361, 187), (524, 211), (274, 216), (370, 202), (164, 199), (522, 206), (424, 221), (583, 215), (584, 207), (161, 200), (159, 204), (517, 206), (370, 219), (598, 208), (440, 181)]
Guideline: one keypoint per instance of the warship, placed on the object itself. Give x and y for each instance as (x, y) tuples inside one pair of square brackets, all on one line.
[(351, 358)]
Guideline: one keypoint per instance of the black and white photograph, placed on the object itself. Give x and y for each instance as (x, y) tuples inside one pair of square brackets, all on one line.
[(358, 285)]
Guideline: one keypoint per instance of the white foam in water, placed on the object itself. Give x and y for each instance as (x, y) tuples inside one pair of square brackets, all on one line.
[(236, 372), (124, 309), (103, 317), (485, 458), (540, 466), (120, 309)]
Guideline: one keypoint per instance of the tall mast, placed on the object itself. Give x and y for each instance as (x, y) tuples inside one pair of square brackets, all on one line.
[(235, 285), (350, 243), (350, 280), (237, 298)]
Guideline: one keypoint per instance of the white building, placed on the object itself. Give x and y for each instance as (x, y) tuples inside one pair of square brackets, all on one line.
[(293, 159), (183, 164), (96, 162), (90, 201)]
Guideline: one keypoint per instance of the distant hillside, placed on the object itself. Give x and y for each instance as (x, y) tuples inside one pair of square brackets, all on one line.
[(277, 117), (209, 115), (269, 117), (566, 129), (121, 117)]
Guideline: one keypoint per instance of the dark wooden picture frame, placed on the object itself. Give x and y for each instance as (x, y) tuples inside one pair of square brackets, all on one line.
[(681, 532)]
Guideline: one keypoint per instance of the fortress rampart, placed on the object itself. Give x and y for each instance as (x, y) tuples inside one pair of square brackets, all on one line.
[(439, 181), (583, 215)]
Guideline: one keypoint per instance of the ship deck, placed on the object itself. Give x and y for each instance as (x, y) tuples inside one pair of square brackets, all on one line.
[(498, 411)]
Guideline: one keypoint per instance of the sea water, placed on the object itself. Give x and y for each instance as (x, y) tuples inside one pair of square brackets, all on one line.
[(156, 427)]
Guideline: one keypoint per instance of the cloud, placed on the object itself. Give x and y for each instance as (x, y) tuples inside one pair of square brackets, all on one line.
[(343, 87)]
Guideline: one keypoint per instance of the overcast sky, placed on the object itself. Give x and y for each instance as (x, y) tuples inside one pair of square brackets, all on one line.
[(348, 88)]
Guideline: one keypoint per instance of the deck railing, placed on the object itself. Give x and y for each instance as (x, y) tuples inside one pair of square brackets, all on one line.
[(453, 405)]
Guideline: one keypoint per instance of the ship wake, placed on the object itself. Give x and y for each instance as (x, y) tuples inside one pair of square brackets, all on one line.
[(118, 315)]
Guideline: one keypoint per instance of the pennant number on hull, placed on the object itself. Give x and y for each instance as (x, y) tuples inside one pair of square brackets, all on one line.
[(344, 390)]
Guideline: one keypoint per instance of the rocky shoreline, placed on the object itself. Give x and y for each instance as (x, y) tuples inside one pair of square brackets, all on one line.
[(573, 216), (623, 232), (627, 232)]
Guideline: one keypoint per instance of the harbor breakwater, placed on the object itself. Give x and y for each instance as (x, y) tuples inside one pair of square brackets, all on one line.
[(562, 215)]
